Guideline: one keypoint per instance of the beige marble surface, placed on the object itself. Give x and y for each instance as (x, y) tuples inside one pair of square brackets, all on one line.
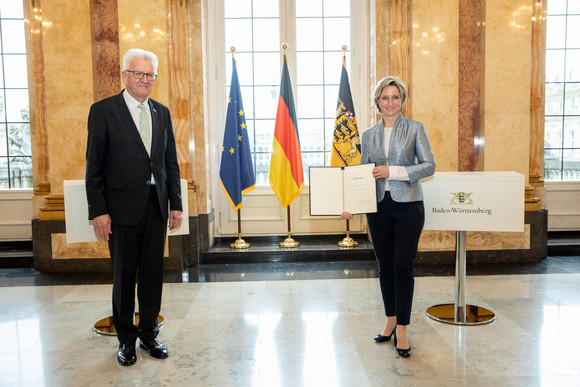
[(508, 85), (63, 250), (68, 87), (435, 81), (432, 240), (299, 333), (144, 25)]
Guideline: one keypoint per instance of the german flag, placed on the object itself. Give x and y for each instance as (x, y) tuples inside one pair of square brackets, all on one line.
[(286, 173)]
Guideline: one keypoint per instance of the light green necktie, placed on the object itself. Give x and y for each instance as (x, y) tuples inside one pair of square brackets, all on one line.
[(145, 128)]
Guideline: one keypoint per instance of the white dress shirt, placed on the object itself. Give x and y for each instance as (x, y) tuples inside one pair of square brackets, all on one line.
[(396, 172), (133, 104)]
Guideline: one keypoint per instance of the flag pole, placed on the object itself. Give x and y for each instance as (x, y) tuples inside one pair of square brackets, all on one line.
[(289, 242), (347, 241), (239, 243), (286, 152)]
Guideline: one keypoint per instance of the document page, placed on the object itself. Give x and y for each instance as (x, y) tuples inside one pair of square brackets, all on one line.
[(337, 189), (360, 193), (326, 197)]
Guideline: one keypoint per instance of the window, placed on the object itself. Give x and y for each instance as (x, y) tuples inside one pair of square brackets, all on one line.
[(562, 125), (257, 28), (15, 149)]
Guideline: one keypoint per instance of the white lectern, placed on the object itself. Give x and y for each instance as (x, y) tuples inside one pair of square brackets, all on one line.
[(471, 201)]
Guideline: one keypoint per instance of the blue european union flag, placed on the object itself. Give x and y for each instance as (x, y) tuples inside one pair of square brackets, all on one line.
[(236, 168)]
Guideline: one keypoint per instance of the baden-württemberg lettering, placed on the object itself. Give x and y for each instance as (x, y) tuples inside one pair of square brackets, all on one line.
[(456, 210)]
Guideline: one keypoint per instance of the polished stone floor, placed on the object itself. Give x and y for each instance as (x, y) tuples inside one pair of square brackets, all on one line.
[(298, 325)]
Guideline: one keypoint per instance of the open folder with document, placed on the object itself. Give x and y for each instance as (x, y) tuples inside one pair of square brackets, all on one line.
[(337, 189)]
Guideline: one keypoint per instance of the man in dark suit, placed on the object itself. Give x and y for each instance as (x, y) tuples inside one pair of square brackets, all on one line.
[(132, 177)]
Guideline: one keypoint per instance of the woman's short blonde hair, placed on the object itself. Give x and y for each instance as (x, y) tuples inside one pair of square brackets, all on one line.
[(389, 81)]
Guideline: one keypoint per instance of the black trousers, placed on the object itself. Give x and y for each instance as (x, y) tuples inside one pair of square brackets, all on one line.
[(395, 230), (137, 256)]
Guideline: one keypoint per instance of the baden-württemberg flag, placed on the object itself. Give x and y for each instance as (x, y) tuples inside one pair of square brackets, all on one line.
[(286, 173), (236, 169), (345, 142)]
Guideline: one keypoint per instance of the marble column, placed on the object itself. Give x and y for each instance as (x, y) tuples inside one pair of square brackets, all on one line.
[(400, 49), (471, 85), (36, 85), (537, 101), (177, 33), (105, 44)]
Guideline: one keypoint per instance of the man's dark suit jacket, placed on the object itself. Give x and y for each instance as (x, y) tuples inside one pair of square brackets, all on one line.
[(119, 169)]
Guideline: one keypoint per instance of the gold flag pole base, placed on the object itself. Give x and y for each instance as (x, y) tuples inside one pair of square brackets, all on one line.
[(348, 241), (289, 242), (240, 244)]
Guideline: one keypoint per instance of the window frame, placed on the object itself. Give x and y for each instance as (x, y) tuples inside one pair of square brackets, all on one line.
[(5, 121), (262, 201), (556, 109)]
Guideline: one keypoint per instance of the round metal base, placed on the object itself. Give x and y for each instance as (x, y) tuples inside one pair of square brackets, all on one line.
[(240, 244), (289, 242), (106, 327), (474, 315), (348, 242)]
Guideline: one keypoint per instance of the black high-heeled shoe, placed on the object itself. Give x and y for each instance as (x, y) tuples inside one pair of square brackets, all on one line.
[(381, 339), (401, 352)]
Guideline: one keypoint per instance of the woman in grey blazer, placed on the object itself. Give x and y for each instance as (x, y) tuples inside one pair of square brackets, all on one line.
[(401, 151)]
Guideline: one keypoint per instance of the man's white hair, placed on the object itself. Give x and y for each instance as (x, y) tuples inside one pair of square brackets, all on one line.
[(139, 53)]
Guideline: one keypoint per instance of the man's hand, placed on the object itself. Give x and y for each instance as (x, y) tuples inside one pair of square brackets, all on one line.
[(102, 226), (174, 219)]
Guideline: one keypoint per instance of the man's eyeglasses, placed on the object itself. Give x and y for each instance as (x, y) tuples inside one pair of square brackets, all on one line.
[(139, 75)]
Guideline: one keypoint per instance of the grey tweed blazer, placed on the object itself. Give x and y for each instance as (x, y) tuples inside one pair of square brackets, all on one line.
[(409, 147)]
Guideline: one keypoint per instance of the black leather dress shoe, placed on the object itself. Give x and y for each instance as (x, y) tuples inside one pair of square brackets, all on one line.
[(155, 348), (402, 352), (126, 355), (381, 339)]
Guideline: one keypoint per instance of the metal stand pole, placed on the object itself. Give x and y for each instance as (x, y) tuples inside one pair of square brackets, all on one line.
[(460, 313), (460, 273), (239, 243), (289, 242)]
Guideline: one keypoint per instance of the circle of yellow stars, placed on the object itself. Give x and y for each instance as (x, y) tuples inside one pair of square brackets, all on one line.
[(243, 126)]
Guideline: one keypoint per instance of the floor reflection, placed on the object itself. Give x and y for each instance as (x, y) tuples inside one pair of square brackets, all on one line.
[(560, 338), (320, 355), (21, 356), (297, 332)]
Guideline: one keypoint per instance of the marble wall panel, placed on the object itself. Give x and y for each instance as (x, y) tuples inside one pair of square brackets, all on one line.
[(435, 81), (63, 250), (508, 85), (509, 17), (507, 139), (432, 240), (508, 74), (87, 250), (143, 24), (68, 86), (69, 163), (198, 104)]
